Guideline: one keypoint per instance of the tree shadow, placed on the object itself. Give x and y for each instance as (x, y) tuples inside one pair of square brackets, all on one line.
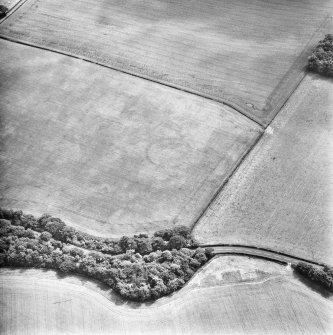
[(316, 76), (110, 293), (313, 286)]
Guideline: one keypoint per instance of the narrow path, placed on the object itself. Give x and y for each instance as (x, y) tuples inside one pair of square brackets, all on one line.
[(275, 256)]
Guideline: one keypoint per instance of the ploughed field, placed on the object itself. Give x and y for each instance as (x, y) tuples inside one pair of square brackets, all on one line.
[(109, 153), (247, 53), (281, 196), (229, 295)]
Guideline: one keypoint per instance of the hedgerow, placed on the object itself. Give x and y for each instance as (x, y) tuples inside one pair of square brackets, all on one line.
[(177, 237), (321, 60), (141, 268), (321, 275)]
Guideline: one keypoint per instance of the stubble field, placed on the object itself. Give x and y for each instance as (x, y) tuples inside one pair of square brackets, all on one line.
[(249, 54), (227, 296)]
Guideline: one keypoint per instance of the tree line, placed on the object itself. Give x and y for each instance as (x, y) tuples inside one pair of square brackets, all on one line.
[(139, 268), (176, 238)]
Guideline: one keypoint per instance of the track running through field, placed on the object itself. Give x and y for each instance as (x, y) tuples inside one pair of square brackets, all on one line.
[(271, 255)]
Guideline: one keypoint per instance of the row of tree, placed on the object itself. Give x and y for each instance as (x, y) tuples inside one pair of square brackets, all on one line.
[(136, 276), (167, 239), (321, 275), (321, 60)]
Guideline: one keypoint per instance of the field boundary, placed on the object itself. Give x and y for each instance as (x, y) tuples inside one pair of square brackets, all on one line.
[(237, 107), (232, 172), (266, 253)]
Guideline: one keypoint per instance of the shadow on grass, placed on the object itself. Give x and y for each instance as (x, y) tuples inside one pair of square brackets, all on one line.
[(107, 291), (313, 286), (318, 76)]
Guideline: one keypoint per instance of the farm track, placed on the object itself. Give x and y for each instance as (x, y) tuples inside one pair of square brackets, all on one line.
[(245, 250)]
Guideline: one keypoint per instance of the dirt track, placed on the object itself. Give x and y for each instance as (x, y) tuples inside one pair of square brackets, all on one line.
[(271, 255)]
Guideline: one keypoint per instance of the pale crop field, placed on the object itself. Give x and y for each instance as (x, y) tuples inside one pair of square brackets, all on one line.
[(281, 196), (267, 300), (248, 53), (108, 152)]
